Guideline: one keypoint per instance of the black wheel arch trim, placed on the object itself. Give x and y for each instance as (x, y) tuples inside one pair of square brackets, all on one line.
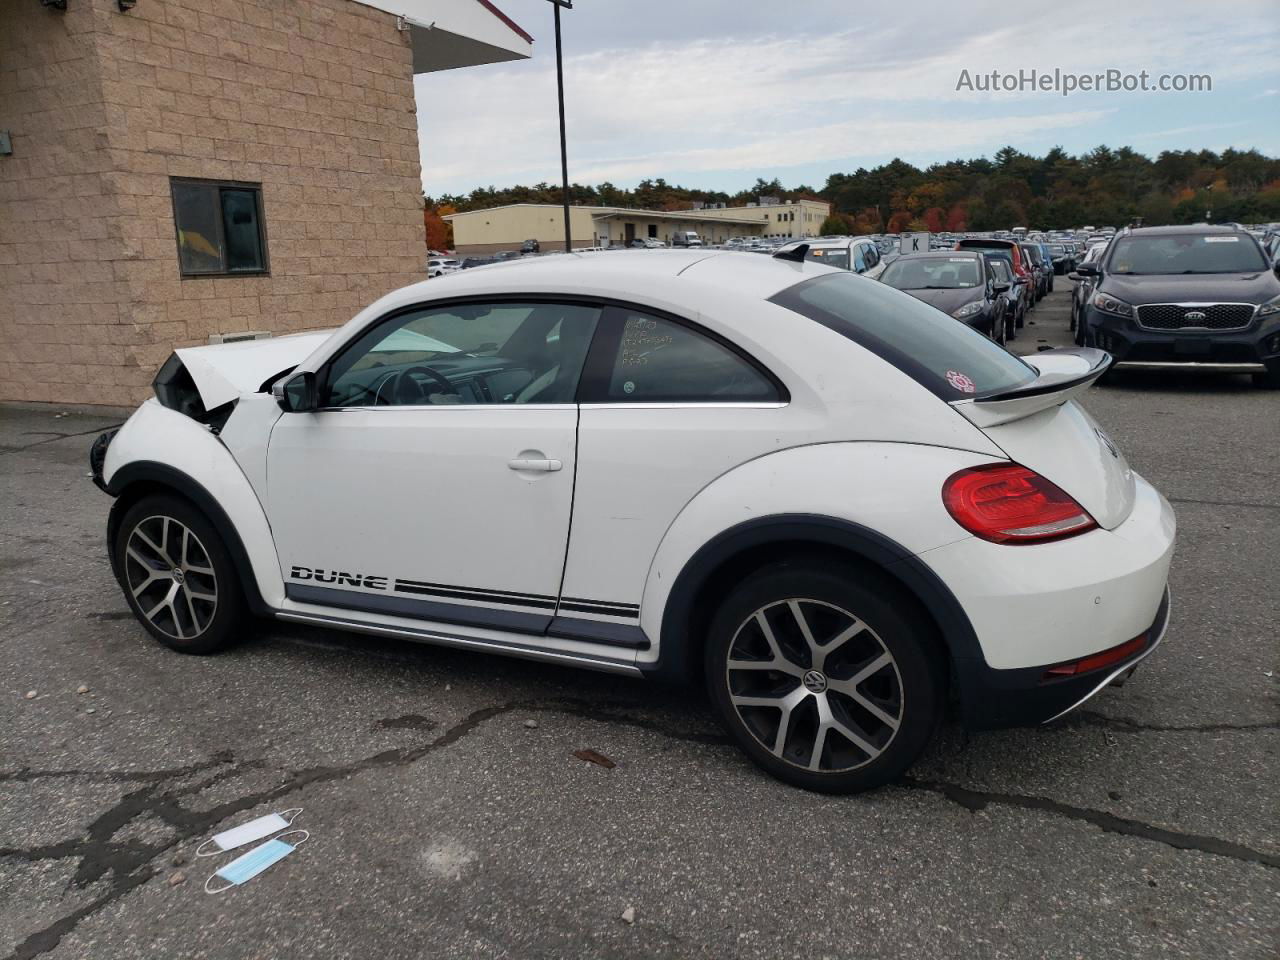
[(678, 652), (153, 475)]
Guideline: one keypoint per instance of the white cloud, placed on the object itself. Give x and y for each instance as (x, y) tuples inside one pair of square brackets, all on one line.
[(772, 100)]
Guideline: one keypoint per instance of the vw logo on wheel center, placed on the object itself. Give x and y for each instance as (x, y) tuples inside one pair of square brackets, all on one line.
[(815, 681)]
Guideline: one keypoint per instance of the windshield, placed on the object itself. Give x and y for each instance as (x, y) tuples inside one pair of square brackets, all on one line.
[(1057, 248), (1186, 253), (948, 358), (934, 273), (831, 256)]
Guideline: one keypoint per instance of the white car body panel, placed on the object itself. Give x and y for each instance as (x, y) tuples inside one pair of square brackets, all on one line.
[(441, 506), (156, 433), (1066, 445), (891, 488), (246, 434), (1041, 603)]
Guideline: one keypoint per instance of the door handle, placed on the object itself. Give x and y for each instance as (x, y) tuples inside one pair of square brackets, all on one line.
[(535, 464)]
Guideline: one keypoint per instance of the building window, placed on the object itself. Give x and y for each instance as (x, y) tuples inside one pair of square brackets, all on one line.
[(219, 227)]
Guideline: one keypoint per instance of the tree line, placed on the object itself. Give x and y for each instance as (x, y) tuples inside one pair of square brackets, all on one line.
[(1104, 186)]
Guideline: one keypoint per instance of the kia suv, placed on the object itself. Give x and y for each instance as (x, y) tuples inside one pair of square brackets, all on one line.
[(1193, 297)]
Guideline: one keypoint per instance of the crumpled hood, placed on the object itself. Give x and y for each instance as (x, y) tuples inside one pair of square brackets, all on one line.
[(224, 371)]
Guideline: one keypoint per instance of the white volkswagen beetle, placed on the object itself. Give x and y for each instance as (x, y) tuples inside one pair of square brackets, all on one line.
[(834, 505)]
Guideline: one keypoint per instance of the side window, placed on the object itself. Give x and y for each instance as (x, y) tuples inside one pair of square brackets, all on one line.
[(871, 255), (859, 259), (657, 360), (486, 353)]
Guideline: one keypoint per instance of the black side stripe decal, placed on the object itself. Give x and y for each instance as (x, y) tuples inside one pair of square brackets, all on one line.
[(601, 603), (420, 586), (629, 611), (479, 596), (537, 601)]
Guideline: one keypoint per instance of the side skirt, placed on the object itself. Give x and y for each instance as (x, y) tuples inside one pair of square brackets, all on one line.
[(603, 664)]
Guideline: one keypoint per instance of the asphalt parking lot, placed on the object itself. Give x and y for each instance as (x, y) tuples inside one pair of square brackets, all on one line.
[(449, 816)]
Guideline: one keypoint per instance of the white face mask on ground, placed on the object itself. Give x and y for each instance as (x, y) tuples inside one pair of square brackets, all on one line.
[(247, 832), (248, 866)]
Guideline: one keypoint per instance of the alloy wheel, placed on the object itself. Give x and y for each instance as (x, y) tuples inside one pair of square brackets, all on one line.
[(815, 685), (171, 577)]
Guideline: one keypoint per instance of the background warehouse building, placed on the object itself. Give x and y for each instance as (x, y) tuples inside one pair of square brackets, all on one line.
[(180, 170), (506, 227)]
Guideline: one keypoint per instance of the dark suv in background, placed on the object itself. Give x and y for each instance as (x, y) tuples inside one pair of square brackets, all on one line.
[(1198, 297)]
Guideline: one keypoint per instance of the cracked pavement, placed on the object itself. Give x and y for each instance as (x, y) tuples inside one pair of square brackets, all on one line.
[(442, 825)]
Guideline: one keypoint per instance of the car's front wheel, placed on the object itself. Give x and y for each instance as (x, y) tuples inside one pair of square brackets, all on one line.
[(826, 674), (177, 575)]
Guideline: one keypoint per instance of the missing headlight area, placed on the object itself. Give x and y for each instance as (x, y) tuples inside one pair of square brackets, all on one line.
[(175, 389)]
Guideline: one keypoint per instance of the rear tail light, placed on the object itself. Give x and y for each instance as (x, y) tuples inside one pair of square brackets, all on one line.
[(1096, 661), (1007, 503)]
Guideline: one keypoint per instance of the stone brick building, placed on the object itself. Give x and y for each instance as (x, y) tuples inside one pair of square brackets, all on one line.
[(188, 168)]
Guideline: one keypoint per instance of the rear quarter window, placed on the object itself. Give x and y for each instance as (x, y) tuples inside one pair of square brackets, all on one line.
[(942, 354)]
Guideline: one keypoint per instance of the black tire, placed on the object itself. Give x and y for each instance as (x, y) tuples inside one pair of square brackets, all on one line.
[(907, 688), (1269, 380), (169, 561), (1020, 318)]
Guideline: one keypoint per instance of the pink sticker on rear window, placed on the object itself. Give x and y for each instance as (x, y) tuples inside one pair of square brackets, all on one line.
[(961, 382)]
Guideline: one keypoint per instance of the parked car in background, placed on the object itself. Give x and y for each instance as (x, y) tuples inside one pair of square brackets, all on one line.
[(1014, 294), (531, 246), (439, 266), (959, 283), (1082, 289), (832, 505), (1012, 251), (1203, 297), (685, 238), (1063, 255), (1040, 270), (856, 254)]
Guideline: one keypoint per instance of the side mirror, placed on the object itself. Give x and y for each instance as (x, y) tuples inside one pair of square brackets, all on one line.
[(1087, 270), (1001, 288), (296, 394)]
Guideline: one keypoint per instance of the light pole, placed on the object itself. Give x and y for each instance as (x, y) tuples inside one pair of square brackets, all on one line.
[(564, 153)]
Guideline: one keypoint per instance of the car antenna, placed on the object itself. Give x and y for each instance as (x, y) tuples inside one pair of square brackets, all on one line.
[(796, 253)]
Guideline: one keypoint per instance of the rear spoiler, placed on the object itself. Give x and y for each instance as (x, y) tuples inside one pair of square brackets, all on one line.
[(1063, 374)]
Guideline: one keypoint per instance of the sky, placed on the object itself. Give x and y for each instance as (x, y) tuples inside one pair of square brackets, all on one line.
[(712, 94)]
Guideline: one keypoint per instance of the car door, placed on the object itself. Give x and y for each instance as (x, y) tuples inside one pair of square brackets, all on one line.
[(666, 408), (436, 478)]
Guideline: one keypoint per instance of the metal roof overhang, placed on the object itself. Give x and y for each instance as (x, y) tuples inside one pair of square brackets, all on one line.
[(447, 34)]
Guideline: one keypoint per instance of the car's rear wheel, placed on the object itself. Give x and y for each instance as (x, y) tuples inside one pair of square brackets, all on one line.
[(177, 576), (825, 674)]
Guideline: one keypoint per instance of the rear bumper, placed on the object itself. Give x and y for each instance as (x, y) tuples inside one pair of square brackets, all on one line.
[(1014, 698), (1252, 350), (1037, 606)]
